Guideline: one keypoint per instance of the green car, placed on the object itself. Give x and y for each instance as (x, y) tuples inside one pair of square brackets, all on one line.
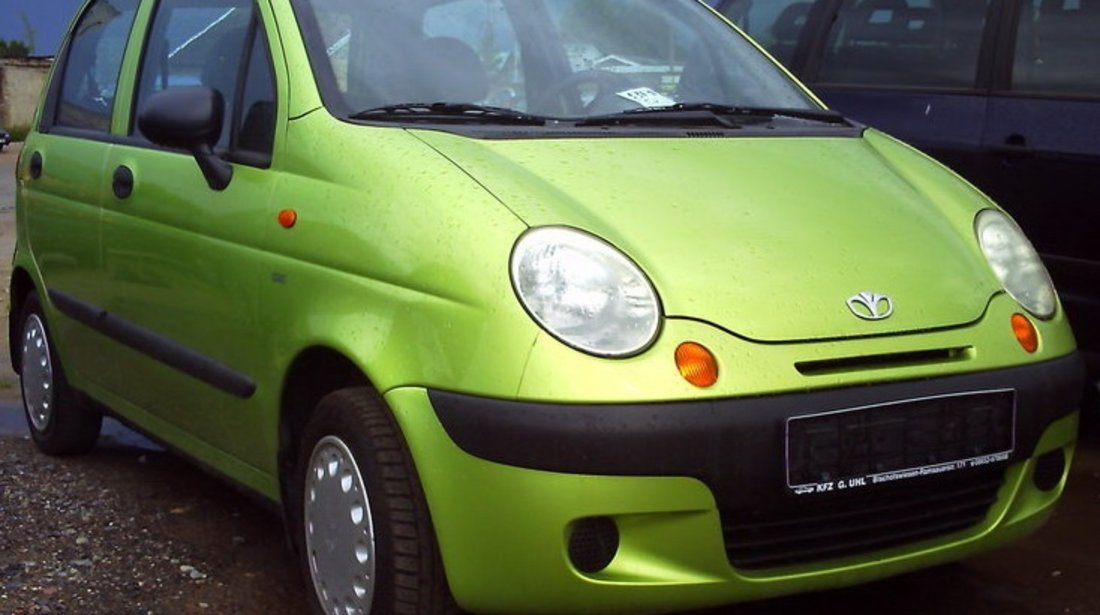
[(530, 306)]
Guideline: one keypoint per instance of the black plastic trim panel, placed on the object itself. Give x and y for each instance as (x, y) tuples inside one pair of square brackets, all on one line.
[(736, 446), (157, 347)]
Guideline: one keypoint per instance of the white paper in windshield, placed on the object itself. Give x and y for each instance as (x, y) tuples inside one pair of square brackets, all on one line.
[(646, 97)]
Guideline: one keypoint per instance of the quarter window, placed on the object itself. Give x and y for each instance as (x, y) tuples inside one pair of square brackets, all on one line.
[(921, 43), (1057, 46), (92, 65), (219, 45)]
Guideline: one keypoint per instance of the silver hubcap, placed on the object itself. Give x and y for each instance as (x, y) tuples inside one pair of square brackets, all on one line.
[(339, 530), (36, 373)]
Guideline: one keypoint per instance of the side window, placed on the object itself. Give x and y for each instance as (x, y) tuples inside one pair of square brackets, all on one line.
[(220, 45), (92, 64), (1057, 46), (776, 25), (922, 43)]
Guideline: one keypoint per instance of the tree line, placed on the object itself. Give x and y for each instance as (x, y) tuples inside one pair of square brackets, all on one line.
[(14, 49)]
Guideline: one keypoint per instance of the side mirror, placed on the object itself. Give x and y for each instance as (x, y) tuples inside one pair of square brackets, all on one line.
[(189, 118)]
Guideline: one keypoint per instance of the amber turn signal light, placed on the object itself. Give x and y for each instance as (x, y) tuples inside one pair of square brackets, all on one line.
[(696, 364), (1025, 332)]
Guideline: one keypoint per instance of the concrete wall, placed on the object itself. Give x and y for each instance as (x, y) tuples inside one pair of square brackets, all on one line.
[(21, 83)]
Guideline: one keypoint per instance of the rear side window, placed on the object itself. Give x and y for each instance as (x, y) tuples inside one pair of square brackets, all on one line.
[(92, 65), (920, 43), (1058, 47), (218, 44)]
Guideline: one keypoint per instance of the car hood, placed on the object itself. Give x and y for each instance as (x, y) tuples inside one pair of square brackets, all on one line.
[(767, 238)]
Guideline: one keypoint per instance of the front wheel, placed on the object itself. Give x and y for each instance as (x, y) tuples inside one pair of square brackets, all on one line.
[(59, 420), (363, 533)]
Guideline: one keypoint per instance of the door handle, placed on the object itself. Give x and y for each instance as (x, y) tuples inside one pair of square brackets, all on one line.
[(1015, 147), (122, 182), (36, 165)]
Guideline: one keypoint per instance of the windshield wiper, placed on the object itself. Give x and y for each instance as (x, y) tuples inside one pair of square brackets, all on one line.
[(725, 115), (448, 112)]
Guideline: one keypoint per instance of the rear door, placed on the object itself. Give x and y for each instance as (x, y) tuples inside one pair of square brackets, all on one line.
[(62, 200), (1042, 142), (917, 69), (911, 68)]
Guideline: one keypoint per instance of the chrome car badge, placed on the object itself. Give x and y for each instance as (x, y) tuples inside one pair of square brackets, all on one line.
[(871, 306)]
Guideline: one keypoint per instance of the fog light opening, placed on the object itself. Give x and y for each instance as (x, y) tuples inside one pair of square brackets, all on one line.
[(1049, 469), (1025, 333), (697, 364), (593, 543)]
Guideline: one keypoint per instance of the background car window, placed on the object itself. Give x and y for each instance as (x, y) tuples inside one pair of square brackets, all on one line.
[(775, 25), (92, 65), (1057, 47), (219, 45), (923, 43)]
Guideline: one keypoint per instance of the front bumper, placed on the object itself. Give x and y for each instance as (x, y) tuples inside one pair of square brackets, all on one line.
[(508, 481)]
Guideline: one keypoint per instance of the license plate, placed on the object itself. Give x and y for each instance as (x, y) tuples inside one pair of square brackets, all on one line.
[(862, 447)]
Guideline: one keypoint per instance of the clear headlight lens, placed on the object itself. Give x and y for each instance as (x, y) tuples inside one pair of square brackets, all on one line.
[(585, 292), (1016, 263)]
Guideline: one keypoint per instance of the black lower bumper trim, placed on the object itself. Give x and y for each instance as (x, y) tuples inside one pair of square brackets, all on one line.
[(735, 445)]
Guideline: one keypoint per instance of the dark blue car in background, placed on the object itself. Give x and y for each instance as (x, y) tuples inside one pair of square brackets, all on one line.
[(1006, 92)]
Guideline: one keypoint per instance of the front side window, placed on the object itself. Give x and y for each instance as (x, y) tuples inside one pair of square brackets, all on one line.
[(553, 58), (92, 64), (219, 44), (918, 43), (1057, 47)]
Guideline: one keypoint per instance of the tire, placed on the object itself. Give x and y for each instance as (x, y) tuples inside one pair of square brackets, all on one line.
[(59, 420), (360, 520)]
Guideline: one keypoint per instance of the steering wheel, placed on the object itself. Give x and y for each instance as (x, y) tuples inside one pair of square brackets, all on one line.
[(607, 83)]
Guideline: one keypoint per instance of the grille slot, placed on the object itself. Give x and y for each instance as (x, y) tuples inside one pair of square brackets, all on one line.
[(883, 361), (829, 527), (706, 134)]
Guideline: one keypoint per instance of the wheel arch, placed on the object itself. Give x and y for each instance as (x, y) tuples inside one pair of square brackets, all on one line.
[(21, 286), (314, 373)]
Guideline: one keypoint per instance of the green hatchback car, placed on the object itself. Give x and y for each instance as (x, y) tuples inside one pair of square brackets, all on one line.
[(530, 306)]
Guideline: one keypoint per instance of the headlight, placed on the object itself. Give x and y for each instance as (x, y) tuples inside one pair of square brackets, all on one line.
[(1015, 263), (585, 292)]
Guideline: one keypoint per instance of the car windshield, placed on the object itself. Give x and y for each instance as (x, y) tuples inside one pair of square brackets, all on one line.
[(508, 60)]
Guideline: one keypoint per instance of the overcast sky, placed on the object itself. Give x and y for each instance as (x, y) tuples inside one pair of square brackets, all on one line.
[(48, 19)]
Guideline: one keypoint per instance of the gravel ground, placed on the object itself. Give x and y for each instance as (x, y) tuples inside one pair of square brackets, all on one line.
[(127, 530)]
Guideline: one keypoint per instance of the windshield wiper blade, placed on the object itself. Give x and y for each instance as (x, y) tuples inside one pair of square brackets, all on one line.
[(726, 115), (449, 112)]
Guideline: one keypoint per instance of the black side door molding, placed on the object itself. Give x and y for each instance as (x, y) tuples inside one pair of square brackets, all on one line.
[(168, 352)]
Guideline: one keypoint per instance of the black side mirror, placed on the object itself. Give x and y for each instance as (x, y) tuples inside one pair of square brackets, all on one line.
[(189, 118)]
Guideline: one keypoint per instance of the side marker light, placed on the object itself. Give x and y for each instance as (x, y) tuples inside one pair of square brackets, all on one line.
[(288, 218)]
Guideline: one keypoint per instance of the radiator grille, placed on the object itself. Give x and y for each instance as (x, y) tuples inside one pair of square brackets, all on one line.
[(819, 530)]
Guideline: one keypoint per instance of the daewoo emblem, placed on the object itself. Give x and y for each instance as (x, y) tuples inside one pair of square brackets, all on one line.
[(871, 306)]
